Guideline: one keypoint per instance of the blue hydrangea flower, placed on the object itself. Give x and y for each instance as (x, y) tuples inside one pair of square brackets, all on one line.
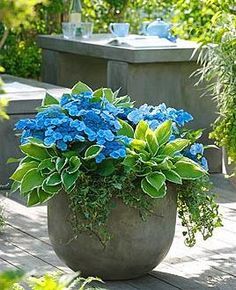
[(155, 115), (196, 148)]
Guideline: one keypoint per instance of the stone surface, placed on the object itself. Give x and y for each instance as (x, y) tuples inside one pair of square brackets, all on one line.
[(147, 75), (135, 248)]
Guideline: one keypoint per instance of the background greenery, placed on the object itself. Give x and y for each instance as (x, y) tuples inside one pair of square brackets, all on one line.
[(192, 19)]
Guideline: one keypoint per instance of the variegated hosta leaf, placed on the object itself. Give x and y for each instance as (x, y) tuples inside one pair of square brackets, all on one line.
[(140, 131), (163, 132), (189, 170)]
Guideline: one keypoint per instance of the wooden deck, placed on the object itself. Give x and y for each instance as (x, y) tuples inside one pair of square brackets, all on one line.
[(210, 264)]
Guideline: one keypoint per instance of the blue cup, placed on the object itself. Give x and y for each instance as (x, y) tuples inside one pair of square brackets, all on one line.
[(119, 29)]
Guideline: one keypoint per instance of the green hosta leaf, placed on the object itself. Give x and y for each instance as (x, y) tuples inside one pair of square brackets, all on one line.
[(162, 191), (172, 176), (43, 195), (69, 180), (151, 142), (37, 142), (15, 186), (23, 169), (138, 144), (126, 129), (80, 88), (51, 189), (35, 151), (152, 191), (31, 180), (69, 154), (60, 163), (156, 179), (108, 94), (47, 164), (106, 168), (74, 164), (13, 160), (92, 151), (175, 146), (49, 100), (189, 170), (53, 179), (130, 161), (163, 132), (33, 198), (166, 164), (140, 131)]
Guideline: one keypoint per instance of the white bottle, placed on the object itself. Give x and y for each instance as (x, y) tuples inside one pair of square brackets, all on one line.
[(75, 15)]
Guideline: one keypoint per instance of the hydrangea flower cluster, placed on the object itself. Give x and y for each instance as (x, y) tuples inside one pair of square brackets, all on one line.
[(195, 152), (77, 119), (84, 118), (155, 115)]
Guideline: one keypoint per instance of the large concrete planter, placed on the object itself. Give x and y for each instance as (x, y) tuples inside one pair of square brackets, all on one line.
[(136, 246)]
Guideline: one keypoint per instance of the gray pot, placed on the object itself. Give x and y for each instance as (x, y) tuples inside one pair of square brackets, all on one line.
[(136, 246)]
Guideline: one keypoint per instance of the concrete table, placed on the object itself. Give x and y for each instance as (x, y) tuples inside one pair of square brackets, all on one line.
[(149, 75), (22, 104)]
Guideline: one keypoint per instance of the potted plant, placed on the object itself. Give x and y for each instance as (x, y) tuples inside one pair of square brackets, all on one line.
[(113, 176)]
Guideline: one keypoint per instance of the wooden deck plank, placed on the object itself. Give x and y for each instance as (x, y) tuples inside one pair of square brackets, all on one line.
[(33, 246)]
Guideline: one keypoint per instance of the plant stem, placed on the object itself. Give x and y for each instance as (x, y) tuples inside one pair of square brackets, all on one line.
[(4, 37)]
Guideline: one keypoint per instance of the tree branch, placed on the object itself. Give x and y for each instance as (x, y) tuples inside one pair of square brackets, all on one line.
[(4, 37)]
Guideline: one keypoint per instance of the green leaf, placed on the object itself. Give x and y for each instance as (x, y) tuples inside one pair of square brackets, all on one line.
[(43, 195), (156, 179), (51, 189), (92, 151), (130, 161), (53, 179), (13, 160), (60, 163), (163, 132), (47, 164), (189, 170), (69, 180), (23, 169), (151, 142), (108, 94), (174, 147), (172, 176), (151, 191), (33, 198), (80, 88), (69, 154), (165, 164), (126, 129), (35, 151), (74, 164), (138, 144), (15, 186), (140, 131), (106, 168), (31, 180), (37, 142), (49, 100)]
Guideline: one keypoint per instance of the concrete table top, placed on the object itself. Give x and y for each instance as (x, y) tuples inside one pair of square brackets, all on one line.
[(98, 46)]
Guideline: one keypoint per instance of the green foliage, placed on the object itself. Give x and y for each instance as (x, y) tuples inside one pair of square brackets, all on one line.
[(219, 69), (153, 157), (197, 210), (11, 280), (3, 106), (92, 201)]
